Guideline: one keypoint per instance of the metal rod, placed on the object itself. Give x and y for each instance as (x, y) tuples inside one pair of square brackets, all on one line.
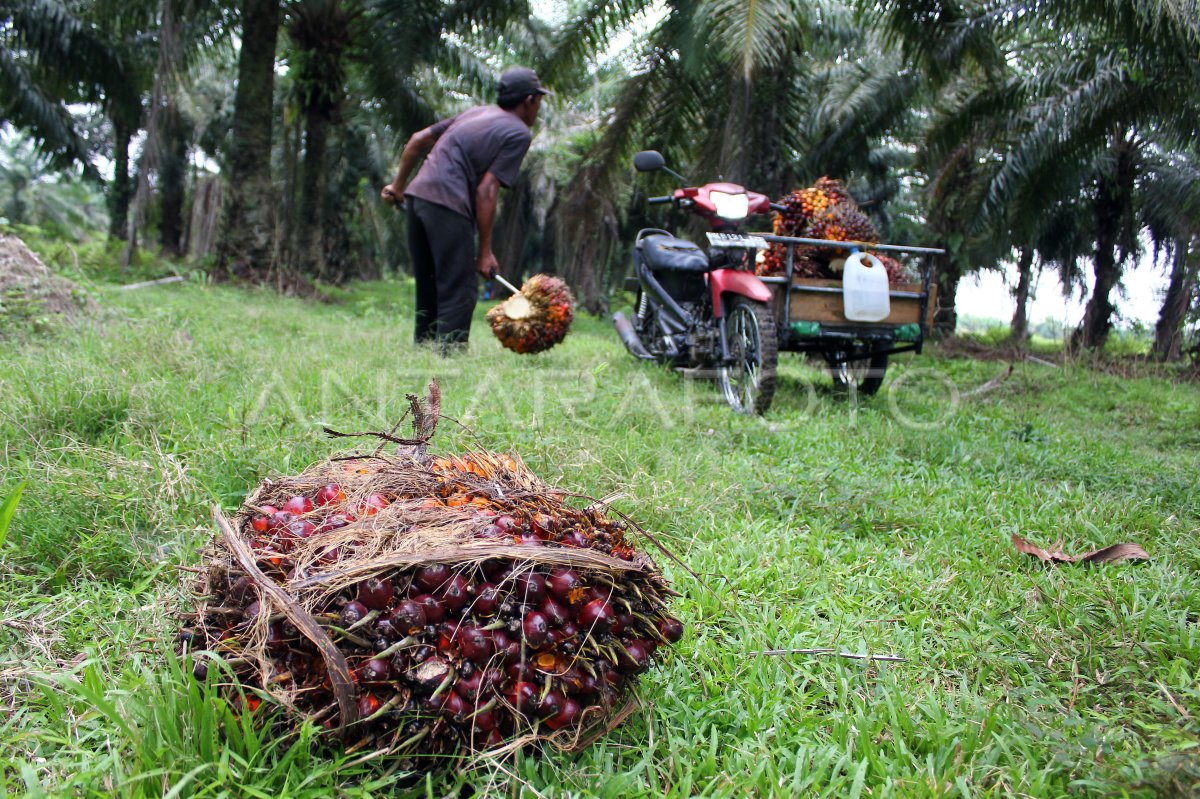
[(500, 279), (848, 245)]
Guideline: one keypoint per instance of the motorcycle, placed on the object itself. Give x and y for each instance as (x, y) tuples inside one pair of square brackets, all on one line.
[(705, 312)]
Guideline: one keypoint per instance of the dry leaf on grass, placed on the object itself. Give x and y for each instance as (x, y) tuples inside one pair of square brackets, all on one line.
[(1105, 555)]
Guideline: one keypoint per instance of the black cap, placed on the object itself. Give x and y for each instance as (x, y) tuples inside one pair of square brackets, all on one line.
[(518, 82)]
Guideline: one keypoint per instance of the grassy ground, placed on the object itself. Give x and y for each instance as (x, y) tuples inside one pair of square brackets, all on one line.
[(880, 526)]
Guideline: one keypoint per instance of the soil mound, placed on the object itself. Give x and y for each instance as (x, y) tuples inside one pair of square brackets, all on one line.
[(29, 289)]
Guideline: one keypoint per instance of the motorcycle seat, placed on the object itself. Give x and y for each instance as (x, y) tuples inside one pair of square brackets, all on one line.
[(667, 253)]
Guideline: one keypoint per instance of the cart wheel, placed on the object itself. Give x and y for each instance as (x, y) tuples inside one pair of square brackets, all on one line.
[(748, 383), (863, 369)]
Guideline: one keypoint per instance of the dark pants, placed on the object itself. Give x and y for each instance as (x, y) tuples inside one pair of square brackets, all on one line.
[(442, 244)]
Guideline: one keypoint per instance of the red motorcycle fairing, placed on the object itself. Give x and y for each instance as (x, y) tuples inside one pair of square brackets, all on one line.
[(734, 281)]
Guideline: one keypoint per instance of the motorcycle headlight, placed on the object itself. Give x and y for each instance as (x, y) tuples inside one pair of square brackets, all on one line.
[(731, 206)]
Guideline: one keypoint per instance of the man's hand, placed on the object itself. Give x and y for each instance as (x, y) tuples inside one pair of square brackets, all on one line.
[(391, 194), (487, 263)]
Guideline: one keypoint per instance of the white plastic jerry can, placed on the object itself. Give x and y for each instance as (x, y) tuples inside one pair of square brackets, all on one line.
[(865, 292)]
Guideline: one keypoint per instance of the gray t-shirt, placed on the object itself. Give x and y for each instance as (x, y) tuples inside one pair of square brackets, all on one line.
[(482, 139)]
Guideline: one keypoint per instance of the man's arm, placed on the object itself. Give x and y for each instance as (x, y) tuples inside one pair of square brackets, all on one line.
[(417, 145), (485, 214)]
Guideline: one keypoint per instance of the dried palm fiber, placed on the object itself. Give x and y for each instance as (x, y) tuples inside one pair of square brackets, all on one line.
[(536, 318), (418, 605)]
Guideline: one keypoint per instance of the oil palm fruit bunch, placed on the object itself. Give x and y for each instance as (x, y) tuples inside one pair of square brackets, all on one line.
[(897, 271), (824, 210), (844, 222), (535, 319), (420, 606)]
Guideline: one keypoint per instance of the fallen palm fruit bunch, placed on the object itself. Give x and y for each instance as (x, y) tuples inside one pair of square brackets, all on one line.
[(536, 318), (418, 605)]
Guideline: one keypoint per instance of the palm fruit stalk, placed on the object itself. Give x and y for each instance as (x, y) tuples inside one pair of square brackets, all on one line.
[(423, 606), (535, 318)]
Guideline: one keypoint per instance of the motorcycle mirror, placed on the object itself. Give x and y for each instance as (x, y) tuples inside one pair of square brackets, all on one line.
[(649, 161)]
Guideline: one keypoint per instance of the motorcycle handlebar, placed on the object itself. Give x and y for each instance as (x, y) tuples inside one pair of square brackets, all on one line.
[(659, 200), (778, 207)]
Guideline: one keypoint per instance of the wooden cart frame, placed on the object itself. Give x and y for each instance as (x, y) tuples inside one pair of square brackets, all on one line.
[(809, 312)]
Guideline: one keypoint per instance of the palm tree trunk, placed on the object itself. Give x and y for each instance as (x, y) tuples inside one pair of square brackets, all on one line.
[(120, 191), (945, 317), (310, 242), (172, 183), (1168, 333), (1020, 321), (1113, 196), (248, 228)]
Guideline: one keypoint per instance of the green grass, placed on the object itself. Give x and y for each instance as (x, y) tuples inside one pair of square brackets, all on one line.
[(876, 527)]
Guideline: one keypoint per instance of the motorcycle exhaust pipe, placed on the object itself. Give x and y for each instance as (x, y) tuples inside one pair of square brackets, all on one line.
[(629, 338)]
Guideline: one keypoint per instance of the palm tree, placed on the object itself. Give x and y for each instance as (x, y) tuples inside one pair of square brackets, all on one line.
[(51, 57), (247, 237)]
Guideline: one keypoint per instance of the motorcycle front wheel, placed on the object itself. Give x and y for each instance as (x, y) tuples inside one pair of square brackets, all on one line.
[(748, 381)]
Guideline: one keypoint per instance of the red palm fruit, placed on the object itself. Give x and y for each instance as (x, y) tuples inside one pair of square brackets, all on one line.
[(298, 505), (574, 538), (493, 678), (454, 705), (529, 588), (430, 578), (447, 637), (376, 670), (555, 613), (543, 524), (475, 644), (596, 592), (494, 739), (484, 721), (296, 530), (280, 519), (634, 658), (567, 716), (487, 599), (251, 611), (241, 588), (456, 593), (374, 503), (613, 678), (527, 541), (588, 686), (276, 641), (561, 583), (496, 570), (375, 593), (518, 672), (468, 687), (522, 695), (336, 521), (623, 620), (671, 629), (506, 523), (352, 612), (554, 637), (408, 617), (491, 532), (597, 616), (551, 704), (569, 630), (260, 523), (435, 611), (330, 494), (508, 647), (368, 704), (535, 628)]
